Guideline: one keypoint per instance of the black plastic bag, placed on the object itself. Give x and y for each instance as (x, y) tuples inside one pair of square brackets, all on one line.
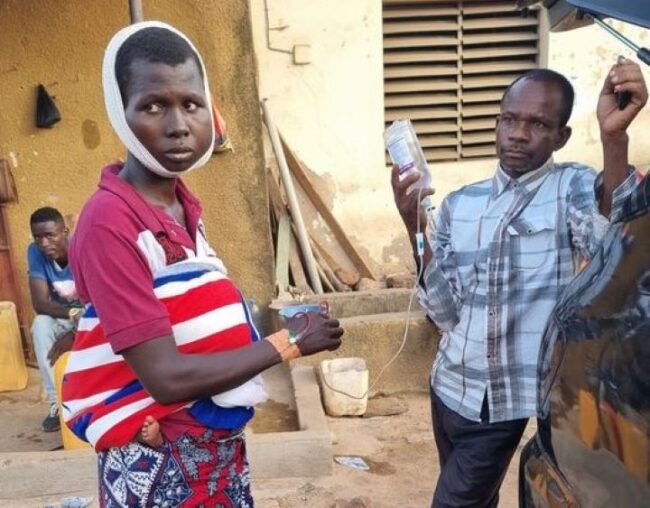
[(47, 114)]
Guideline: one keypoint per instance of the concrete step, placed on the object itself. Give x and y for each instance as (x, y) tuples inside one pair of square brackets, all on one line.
[(377, 337), (39, 478), (361, 303)]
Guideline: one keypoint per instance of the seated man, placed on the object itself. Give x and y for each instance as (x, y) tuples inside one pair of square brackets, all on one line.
[(54, 299)]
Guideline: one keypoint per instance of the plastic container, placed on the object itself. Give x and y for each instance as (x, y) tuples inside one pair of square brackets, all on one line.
[(291, 310), (13, 371), (70, 441), (347, 375), (406, 153)]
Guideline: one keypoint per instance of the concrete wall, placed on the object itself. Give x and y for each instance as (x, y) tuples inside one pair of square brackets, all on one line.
[(585, 57), (60, 44), (331, 110)]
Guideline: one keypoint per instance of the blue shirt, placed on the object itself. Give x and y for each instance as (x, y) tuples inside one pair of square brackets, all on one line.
[(59, 280)]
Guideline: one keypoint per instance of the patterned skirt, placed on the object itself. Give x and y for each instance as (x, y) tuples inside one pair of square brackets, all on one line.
[(208, 470)]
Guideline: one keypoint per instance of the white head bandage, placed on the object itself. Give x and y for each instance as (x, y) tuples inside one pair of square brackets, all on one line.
[(115, 105)]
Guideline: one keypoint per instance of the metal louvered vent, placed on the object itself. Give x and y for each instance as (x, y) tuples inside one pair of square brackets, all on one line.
[(446, 65)]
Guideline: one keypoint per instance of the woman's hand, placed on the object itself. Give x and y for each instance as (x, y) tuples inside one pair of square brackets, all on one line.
[(315, 332)]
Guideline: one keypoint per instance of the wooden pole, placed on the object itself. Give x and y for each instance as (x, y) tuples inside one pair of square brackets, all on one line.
[(298, 171), (294, 207), (135, 11)]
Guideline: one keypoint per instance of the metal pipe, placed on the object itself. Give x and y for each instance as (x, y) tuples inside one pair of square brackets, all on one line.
[(616, 34), (135, 11), (294, 207), (642, 54)]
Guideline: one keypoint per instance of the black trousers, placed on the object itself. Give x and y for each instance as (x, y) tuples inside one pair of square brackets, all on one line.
[(474, 456)]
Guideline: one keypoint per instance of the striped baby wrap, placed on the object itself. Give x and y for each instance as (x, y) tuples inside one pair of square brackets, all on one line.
[(103, 401)]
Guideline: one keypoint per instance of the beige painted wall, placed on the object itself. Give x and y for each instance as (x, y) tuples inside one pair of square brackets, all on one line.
[(60, 44), (585, 56), (331, 110)]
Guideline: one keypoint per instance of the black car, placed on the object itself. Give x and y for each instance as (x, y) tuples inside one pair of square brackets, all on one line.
[(592, 448)]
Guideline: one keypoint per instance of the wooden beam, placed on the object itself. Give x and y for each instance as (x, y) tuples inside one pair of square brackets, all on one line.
[(326, 271), (300, 174), (323, 277), (347, 277), (297, 270), (9, 289), (282, 253), (294, 206), (277, 202)]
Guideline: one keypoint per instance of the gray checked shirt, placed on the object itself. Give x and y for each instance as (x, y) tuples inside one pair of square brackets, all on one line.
[(503, 251)]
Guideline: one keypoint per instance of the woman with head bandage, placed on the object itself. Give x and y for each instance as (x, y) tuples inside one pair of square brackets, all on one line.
[(164, 374)]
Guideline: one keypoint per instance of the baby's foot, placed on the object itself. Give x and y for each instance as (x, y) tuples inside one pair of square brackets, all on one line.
[(150, 433)]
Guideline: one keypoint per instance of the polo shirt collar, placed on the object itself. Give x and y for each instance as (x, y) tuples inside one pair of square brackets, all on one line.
[(525, 183), (153, 217)]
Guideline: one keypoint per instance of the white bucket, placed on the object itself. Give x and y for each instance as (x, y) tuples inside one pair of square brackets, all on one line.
[(348, 375)]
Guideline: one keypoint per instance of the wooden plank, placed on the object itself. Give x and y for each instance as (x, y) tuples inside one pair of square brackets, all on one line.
[(428, 127), (327, 256), (489, 8), (417, 56), (345, 276), (500, 37), (436, 141), (327, 272), (508, 51), (415, 11), (481, 110), (488, 81), (397, 27), (478, 138), (479, 151), (412, 2), (276, 200), (420, 85), (419, 71), (420, 113), (301, 176), (502, 66), (296, 268), (9, 289), (419, 41), (498, 23), (323, 278), (294, 205), (475, 124), (482, 96), (282, 253), (420, 99), (440, 154)]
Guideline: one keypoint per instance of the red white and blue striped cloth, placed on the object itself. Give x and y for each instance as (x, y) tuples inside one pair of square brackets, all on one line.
[(103, 401)]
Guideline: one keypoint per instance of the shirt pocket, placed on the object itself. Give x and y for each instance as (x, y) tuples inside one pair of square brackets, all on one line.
[(532, 241)]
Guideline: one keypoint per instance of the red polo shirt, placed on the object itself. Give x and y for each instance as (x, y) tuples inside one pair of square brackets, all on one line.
[(115, 251)]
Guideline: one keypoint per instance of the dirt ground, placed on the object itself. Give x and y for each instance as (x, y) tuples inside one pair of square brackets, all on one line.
[(398, 449)]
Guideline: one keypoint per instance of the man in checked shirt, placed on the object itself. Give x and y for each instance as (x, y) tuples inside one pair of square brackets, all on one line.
[(502, 252)]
